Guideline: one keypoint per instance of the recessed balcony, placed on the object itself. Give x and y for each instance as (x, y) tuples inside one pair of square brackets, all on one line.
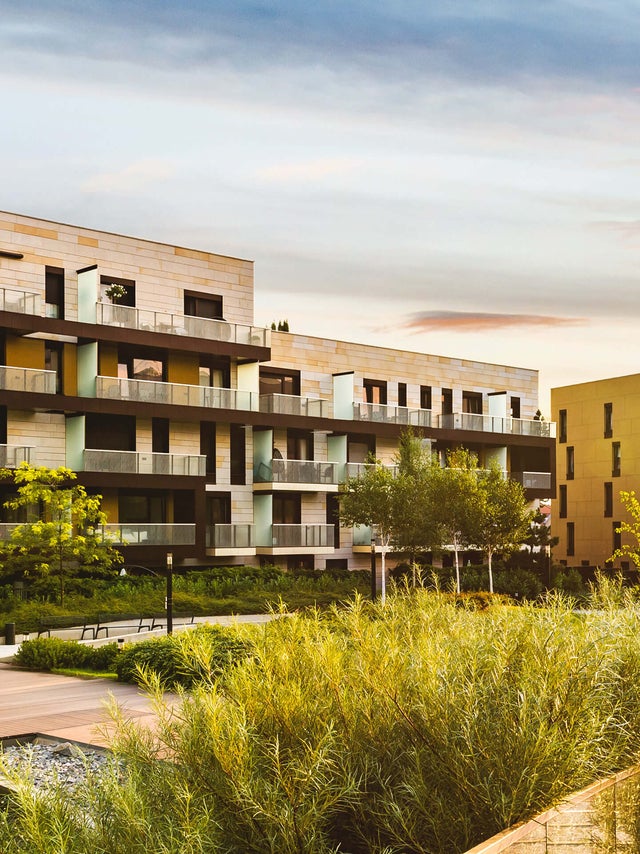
[(303, 475), (129, 317), (137, 462), (20, 302), (231, 539), (497, 424), (12, 455), (178, 394), (303, 539), (149, 534), (27, 379), (532, 479), (360, 469), (289, 404), (381, 413)]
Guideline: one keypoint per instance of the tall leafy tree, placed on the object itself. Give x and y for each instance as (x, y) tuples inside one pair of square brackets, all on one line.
[(630, 527), (61, 533)]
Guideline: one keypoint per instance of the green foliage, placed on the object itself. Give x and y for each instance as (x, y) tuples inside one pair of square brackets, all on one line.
[(51, 653), (182, 659), (630, 527)]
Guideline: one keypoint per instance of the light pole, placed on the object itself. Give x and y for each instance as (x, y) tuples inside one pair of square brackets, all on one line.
[(374, 591), (169, 599)]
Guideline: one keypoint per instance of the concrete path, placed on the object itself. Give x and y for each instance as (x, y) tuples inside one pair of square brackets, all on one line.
[(70, 708)]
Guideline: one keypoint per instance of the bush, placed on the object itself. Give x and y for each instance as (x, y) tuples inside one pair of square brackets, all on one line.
[(51, 653)]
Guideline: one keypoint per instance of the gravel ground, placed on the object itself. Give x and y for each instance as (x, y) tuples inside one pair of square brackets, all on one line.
[(57, 762)]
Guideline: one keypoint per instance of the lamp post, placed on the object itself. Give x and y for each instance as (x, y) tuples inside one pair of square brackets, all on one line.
[(169, 599)]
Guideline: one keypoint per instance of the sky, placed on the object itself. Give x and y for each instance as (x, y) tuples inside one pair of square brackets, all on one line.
[(457, 178)]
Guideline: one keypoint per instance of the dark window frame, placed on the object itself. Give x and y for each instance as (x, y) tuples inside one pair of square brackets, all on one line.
[(608, 499), (562, 501), (608, 420), (571, 539), (616, 459), (281, 380), (562, 426), (426, 397), (207, 306), (571, 462), (370, 386)]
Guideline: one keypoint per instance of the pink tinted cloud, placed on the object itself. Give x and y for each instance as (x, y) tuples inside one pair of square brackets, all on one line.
[(477, 321)]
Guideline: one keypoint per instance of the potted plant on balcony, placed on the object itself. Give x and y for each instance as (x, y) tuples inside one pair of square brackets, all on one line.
[(115, 292)]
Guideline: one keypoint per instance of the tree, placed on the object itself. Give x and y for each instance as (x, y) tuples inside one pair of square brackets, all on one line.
[(632, 527), (501, 520), (61, 532)]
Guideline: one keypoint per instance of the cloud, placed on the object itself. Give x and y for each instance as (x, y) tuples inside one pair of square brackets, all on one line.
[(475, 321), (129, 180), (310, 170)]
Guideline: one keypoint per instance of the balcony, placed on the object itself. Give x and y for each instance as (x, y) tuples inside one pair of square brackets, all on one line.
[(299, 472), (359, 469), (532, 479), (27, 379), (299, 537), (21, 302), (151, 391), (136, 462), (289, 404), (12, 455), (381, 413), (496, 424), (230, 537), (129, 317), (149, 534)]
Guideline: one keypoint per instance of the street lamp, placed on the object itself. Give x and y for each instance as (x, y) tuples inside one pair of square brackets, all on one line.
[(374, 591), (169, 599)]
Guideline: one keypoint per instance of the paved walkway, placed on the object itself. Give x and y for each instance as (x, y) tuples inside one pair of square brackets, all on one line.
[(70, 708)]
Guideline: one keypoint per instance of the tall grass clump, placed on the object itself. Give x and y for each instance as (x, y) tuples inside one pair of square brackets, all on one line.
[(418, 727)]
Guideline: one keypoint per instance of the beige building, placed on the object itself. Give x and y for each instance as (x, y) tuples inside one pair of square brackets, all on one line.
[(138, 365), (598, 456)]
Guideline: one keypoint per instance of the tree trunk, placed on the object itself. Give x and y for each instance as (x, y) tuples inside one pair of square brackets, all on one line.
[(489, 556), (457, 562)]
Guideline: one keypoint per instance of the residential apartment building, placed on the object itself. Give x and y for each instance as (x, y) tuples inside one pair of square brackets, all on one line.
[(208, 436), (598, 456)]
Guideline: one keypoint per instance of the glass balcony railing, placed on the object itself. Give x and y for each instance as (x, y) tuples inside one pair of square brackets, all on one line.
[(289, 404), (27, 379), (382, 413), (299, 471), (12, 455), (362, 535), (150, 534), (7, 528), (129, 317), (497, 424), (21, 302), (137, 462), (300, 536), (230, 537), (358, 469), (151, 391), (532, 479)]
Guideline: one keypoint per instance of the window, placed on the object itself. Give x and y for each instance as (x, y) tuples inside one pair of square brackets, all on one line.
[(402, 394), (208, 447), (238, 454), (608, 420), (3, 425), (562, 425), (160, 435), (472, 402), (287, 509), (203, 305), (141, 364), (54, 291), (214, 373), (515, 407), (571, 538), (375, 391), (616, 536), (53, 361), (219, 508), (563, 501), (332, 517), (141, 509), (129, 296), (615, 459), (110, 432), (608, 499), (275, 381), (570, 463), (300, 444), (425, 397), (447, 401)]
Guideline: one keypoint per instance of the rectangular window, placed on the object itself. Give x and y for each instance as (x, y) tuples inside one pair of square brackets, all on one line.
[(616, 536), (54, 291), (447, 401), (141, 364), (402, 394), (300, 444), (110, 432), (214, 373), (203, 305), (274, 381), (515, 407), (238, 454), (375, 391), (53, 361), (562, 494), (219, 508), (562, 425), (208, 447), (608, 420), (571, 538), (425, 397), (608, 499), (570, 463), (160, 435), (141, 509), (615, 459), (287, 509), (128, 287), (472, 402)]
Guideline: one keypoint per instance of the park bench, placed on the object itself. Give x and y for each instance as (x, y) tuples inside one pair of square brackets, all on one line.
[(48, 624), (160, 622), (137, 624)]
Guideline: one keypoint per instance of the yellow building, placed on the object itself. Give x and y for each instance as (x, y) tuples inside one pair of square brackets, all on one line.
[(598, 456)]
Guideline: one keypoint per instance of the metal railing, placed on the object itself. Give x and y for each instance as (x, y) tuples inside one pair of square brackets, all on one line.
[(496, 424), (152, 391), (301, 536), (138, 462), (149, 534), (145, 320), (385, 414), (230, 537), (299, 471), (12, 455), (21, 302), (27, 379), (289, 404)]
